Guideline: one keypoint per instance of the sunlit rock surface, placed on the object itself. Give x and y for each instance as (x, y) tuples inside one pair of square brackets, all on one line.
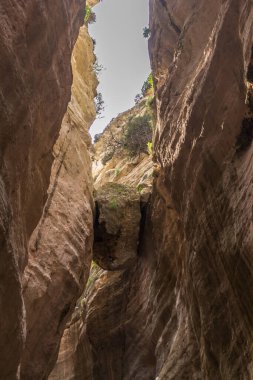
[(70, 223), (112, 163), (61, 245), (93, 341)]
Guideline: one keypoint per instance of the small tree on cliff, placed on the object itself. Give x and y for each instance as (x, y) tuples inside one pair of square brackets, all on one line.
[(99, 105), (146, 32), (138, 133), (90, 16)]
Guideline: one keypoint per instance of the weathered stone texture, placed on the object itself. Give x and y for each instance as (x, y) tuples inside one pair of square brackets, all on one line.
[(188, 313), (61, 245), (201, 215), (112, 162), (183, 310), (36, 43)]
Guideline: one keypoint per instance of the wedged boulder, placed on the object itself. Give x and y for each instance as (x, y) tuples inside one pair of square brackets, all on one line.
[(116, 233)]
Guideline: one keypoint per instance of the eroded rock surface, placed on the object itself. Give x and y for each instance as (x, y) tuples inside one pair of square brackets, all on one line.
[(36, 43), (188, 313), (200, 217), (60, 248), (96, 327), (112, 162), (183, 310)]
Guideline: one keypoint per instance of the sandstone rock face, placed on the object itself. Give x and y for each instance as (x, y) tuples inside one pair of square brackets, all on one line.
[(60, 246), (183, 310), (111, 162), (188, 312), (105, 324), (35, 82), (86, 349), (200, 217)]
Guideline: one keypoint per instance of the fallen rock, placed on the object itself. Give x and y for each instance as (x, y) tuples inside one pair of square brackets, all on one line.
[(116, 231)]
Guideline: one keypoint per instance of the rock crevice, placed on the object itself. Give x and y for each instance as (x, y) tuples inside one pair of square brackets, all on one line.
[(169, 293)]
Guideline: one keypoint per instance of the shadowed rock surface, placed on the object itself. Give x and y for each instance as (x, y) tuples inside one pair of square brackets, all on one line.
[(200, 216), (117, 226), (61, 245), (37, 38), (183, 308), (188, 313)]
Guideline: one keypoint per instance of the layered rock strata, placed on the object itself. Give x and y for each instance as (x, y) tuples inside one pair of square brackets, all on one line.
[(111, 162), (36, 43), (116, 241), (187, 303), (184, 309), (200, 216), (60, 246)]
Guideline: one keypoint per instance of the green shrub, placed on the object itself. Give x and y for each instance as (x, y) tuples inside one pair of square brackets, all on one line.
[(107, 157), (147, 88), (117, 171), (99, 104), (146, 32), (97, 137), (140, 187), (138, 133), (150, 147), (150, 103), (147, 85), (113, 205), (90, 16)]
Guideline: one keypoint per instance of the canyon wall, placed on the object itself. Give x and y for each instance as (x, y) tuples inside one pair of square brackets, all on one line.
[(195, 320), (36, 43), (60, 247), (95, 331), (184, 310), (111, 161)]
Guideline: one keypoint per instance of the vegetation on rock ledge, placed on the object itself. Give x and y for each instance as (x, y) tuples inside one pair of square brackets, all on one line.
[(90, 16)]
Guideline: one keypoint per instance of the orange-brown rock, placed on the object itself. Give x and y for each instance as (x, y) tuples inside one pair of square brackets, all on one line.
[(95, 329), (112, 162), (61, 245), (183, 310), (188, 313), (197, 314), (75, 345), (36, 43)]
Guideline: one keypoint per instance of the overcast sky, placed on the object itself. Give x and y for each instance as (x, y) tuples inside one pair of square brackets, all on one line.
[(123, 51)]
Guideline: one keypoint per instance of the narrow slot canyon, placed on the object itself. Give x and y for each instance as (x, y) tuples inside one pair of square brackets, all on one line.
[(126, 233)]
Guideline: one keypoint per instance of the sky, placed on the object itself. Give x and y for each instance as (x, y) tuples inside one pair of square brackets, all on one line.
[(123, 52)]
